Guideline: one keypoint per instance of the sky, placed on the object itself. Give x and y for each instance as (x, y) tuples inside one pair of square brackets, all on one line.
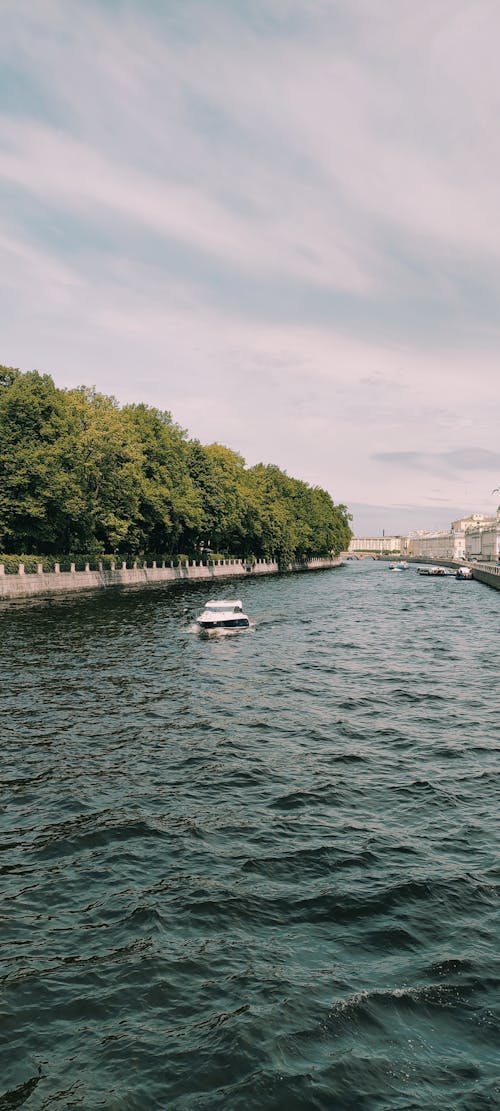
[(277, 219)]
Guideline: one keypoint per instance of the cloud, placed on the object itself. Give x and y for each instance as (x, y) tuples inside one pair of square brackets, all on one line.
[(279, 220), (465, 459), (474, 459), (273, 153)]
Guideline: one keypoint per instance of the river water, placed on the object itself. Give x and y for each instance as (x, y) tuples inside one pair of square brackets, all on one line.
[(255, 872)]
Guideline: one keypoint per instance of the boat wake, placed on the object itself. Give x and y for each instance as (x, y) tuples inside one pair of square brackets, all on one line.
[(210, 634)]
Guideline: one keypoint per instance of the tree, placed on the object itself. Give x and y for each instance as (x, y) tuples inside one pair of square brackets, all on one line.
[(107, 459), (80, 473), (38, 491), (170, 506), (218, 475)]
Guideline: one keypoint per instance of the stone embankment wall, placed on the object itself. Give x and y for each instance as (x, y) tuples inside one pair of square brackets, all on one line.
[(488, 573), (22, 585)]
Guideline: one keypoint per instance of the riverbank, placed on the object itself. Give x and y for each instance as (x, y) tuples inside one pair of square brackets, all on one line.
[(487, 573), (48, 583)]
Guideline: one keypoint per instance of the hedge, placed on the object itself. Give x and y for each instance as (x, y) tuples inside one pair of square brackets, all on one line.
[(48, 562)]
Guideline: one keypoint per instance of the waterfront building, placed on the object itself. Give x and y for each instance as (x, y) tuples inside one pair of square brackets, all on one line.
[(474, 537), (483, 541), (437, 545), (382, 544), (475, 520)]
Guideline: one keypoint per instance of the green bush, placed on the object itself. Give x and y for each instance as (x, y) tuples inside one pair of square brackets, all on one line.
[(31, 562), (48, 562), (11, 564)]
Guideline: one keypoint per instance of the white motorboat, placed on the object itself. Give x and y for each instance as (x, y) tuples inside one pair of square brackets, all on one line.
[(464, 573), (227, 614), (401, 566)]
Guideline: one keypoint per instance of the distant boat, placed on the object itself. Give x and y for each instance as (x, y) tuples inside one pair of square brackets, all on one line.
[(464, 573), (435, 572), (226, 614), (401, 566)]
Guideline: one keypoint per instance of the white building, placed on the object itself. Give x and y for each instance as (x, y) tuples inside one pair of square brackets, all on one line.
[(475, 520), (483, 542), (395, 544), (437, 545), (473, 537)]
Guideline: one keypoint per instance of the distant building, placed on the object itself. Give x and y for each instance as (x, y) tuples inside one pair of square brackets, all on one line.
[(437, 545), (482, 542), (473, 537), (389, 544), (476, 520)]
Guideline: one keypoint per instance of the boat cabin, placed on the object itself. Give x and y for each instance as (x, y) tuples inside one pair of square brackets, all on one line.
[(234, 606)]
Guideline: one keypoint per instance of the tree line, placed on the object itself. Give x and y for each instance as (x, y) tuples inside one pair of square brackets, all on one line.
[(80, 473)]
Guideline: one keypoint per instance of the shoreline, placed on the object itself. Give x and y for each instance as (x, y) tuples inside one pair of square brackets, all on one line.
[(49, 583), (487, 573)]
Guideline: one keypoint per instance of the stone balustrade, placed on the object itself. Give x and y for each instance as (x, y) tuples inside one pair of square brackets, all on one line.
[(24, 584), (487, 573)]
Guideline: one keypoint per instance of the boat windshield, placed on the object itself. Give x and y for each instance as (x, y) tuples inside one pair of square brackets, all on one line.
[(235, 606)]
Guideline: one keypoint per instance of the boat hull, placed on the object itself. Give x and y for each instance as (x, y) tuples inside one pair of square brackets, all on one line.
[(231, 623)]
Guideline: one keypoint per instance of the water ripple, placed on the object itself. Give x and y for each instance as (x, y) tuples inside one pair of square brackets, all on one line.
[(252, 872)]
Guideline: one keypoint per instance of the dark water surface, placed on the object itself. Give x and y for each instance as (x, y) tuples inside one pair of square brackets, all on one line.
[(254, 872)]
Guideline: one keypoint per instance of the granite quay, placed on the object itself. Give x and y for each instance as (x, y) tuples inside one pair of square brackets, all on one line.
[(23, 585)]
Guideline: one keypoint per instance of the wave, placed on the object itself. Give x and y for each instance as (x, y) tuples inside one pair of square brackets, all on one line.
[(91, 832), (317, 861), (224, 907)]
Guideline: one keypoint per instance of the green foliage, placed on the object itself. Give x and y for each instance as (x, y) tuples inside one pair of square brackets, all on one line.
[(170, 505), (79, 474), (11, 564), (48, 562), (35, 481)]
